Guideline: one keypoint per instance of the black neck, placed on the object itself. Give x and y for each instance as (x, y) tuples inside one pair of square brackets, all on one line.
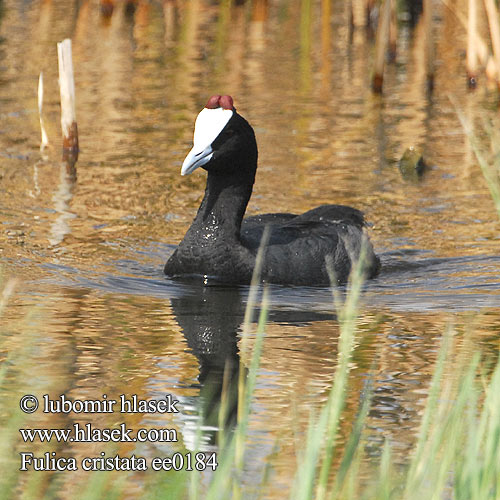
[(222, 209)]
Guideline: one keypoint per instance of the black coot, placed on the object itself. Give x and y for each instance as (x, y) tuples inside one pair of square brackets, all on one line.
[(223, 245)]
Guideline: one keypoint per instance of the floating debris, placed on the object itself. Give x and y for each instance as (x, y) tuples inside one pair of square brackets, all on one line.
[(412, 164)]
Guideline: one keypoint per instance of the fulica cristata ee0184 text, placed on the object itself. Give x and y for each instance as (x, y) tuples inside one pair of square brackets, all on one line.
[(221, 244)]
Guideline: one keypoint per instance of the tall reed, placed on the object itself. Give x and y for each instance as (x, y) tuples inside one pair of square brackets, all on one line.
[(429, 45), (472, 44), (493, 20), (381, 43), (489, 163)]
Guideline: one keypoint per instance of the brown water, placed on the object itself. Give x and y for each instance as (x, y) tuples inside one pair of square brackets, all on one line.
[(91, 250)]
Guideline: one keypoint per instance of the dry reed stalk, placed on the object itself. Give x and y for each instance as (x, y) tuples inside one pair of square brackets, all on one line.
[(45, 139), (326, 36), (492, 13), (491, 70), (381, 46), (472, 45), (357, 13), (351, 19), (260, 10), (326, 14), (481, 47), (370, 13), (67, 92), (429, 45), (130, 7), (107, 7), (393, 33)]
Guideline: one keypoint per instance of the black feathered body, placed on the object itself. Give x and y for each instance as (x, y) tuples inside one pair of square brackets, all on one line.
[(296, 253), (221, 244), (301, 247)]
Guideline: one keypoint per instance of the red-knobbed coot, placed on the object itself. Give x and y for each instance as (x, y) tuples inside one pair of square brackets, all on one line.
[(223, 245)]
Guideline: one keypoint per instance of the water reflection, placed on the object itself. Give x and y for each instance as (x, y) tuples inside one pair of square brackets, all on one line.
[(210, 318), (62, 200)]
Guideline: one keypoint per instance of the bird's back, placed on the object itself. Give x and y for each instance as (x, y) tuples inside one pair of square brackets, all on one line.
[(301, 247)]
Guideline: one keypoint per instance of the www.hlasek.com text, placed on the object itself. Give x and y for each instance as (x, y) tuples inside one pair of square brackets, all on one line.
[(88, 434)]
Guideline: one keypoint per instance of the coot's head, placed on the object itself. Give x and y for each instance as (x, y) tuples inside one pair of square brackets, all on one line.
[(224, 142)]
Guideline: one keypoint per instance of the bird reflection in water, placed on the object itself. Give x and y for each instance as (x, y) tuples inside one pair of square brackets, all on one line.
[(210, 317)]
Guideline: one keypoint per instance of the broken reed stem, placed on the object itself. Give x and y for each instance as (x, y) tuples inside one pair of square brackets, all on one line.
[(429, 45), (472, 45), (45, 139), (67, 91), (381, 46), (492, 14)]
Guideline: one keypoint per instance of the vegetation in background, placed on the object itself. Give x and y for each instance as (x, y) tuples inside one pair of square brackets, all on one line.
[(487, 154)]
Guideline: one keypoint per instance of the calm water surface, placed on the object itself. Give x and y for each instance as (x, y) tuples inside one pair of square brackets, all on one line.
[(91, 250)]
